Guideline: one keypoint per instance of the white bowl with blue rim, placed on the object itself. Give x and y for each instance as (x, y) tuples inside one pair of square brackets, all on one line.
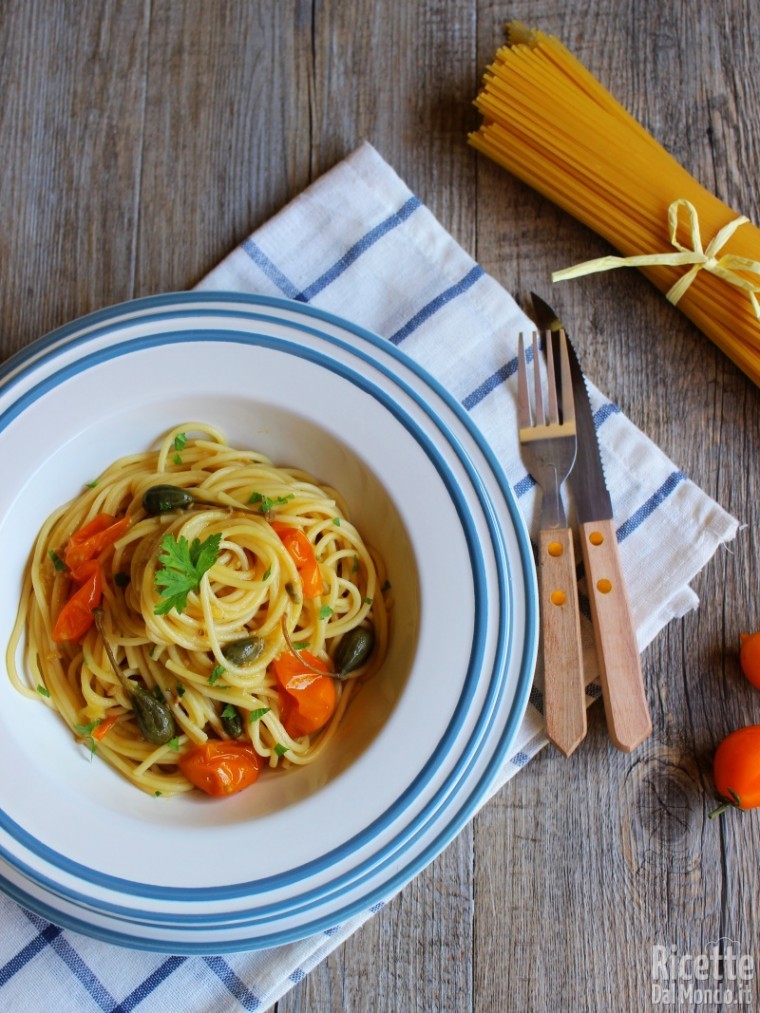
[(422, 743)]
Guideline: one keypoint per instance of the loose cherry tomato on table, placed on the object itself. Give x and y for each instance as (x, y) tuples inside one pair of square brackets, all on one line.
[(749, 657), (307, 699), (736, 770), (220, 767)]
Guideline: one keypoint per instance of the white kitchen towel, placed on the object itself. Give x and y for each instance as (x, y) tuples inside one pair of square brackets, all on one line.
[(359, 244)]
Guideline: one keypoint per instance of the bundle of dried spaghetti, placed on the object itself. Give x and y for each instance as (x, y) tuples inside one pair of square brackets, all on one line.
[(551, 123)]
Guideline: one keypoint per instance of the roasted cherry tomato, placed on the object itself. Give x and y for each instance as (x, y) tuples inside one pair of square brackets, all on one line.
[(301, 551), (736, 769), (307, 699), (91, 539), (75, 618), (749, 657), (220, 768)]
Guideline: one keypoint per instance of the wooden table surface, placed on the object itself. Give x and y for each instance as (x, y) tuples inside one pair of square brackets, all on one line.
[(142, 139)]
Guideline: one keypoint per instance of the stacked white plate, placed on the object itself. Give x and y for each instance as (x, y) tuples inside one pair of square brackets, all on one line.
[(422, 742)]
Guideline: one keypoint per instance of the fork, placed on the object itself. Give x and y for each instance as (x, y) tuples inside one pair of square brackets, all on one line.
[(548, 447)]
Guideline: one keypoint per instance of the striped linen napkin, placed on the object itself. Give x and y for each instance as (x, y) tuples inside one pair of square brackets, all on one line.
[(359, 244)]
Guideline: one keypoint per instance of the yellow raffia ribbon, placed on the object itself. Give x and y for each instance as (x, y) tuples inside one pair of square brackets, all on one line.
[(701, 259)]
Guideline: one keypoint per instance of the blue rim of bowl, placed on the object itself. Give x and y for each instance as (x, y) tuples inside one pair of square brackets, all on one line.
[(188, 305)]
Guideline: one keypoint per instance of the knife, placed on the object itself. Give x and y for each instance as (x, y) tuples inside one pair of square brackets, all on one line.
[(625, 703)]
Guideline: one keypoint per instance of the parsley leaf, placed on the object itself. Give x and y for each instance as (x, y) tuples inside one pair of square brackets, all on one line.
[(179, 441), (229, 711), (325, 612), (280, 749), (258, 713), (218, 672), (266, 503), (57, 562), (42, 690), (182, 567)]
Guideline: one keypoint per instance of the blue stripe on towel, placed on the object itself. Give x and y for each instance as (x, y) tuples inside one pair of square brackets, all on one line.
[(237, 988), (151, 983), (647, 509), (269, 268), (490, 383), (360, 247), (432, 307), (47, 934)]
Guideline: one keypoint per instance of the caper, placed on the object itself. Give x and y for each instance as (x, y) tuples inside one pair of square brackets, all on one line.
[(243, 651), (160, 499), (153, 716), (353, 651), (232, 723)]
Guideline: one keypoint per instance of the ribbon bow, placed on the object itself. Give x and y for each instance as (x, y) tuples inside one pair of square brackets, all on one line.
[(701, 259)]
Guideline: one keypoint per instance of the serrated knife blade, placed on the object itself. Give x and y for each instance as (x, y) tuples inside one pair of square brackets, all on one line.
[(625, 704)]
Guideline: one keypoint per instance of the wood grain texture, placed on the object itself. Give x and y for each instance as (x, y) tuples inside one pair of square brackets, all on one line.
[(142, 139), (623, 693), (561, 647)]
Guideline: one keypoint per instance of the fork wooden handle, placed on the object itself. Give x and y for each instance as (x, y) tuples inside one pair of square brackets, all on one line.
[(564, 689), (625, 702)]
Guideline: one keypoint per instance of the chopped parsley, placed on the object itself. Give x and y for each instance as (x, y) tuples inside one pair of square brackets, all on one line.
[(336, 521), (179, 444), (87, 729), (216, 675), (258, 713), (229, 711), (325, 612), (280, 749), (173, 744), (266, 504), (92, 485), (42, 690), (183, 564), (367, 601), (300, 645), (267, 573), (57, 562), (180, 689)]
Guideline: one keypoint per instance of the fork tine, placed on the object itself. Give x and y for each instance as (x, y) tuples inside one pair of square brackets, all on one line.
[(539, 405), (568, 404), (523, 397), (552, 379)]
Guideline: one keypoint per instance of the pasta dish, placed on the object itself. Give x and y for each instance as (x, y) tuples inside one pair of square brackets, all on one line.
[(198, 614)]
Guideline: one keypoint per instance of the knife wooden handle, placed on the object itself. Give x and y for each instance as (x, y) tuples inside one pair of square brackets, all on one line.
[(564, 688), (625, 701)]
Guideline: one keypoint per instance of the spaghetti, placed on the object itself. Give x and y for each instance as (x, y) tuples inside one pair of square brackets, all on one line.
[(198, 614), (551, 123)]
